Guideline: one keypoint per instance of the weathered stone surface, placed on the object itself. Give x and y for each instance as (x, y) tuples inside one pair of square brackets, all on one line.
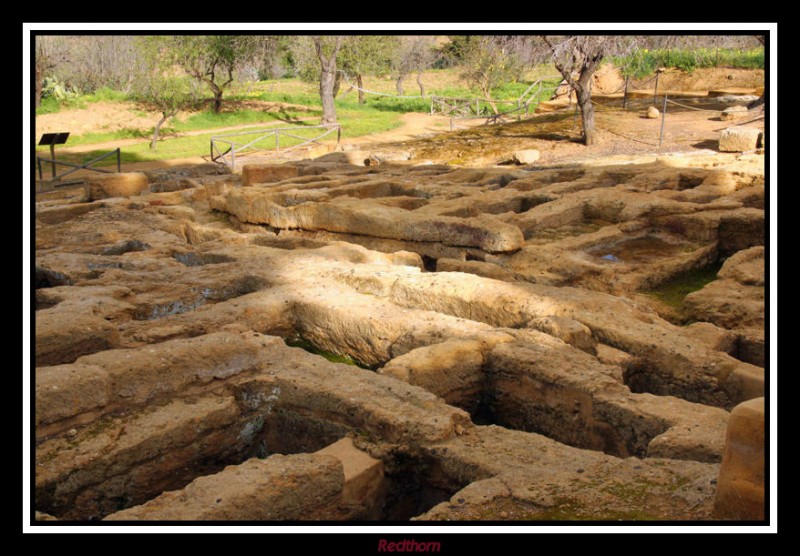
[(267, 173), (533, 478), (115, 185), (365, 484), (277, 488), (453, 370), (528, 156), (379, 157), (652, 113), (479, 268), (552, 389), (740, 488), (62, 338), (194, 382), (134, 458), (733, 113), (354, 157), (612, 320), (353, 216), (67, 390), (736, 299), (714, 337), (112, 379), (568, 330), (739, 139)]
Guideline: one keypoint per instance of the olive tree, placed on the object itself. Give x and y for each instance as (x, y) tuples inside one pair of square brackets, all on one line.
[(489, 61), (210, 59), (327, 49), (413, 54), (159, 86), (362, 55)]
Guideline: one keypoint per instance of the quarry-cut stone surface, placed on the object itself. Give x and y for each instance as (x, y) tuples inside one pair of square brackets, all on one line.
[(739, 139), (479, 343), (267, 173), (733, 113), (741, 486), (116, 185), (277, 488), (528, 156)]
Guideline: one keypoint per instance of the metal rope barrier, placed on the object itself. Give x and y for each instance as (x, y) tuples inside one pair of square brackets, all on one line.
[(692, 107), (357, 88)]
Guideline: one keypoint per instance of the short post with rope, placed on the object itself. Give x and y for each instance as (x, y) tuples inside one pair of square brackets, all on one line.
[(625, 94), (663, 118), (655, 90)]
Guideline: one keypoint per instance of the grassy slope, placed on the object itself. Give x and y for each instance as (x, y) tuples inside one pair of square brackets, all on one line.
[(381, 113)]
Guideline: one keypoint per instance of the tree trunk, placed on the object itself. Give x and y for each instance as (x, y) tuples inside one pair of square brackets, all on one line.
[(486, 94), (38, 86), (399, 84), (360, 83), (419, 84), (156, 130), (337, 84), (584, 98), (326, 85), (328, 82), (217, 100)]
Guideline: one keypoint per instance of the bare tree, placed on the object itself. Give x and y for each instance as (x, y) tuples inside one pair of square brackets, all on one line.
[(327, 49), (577, 57), (414, 54), (50, 53)]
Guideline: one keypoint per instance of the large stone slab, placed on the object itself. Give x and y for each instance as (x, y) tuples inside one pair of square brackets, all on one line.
[(355, 216), (277, 488), (116, 185), (267, 173), (740, 489), (739, 139)]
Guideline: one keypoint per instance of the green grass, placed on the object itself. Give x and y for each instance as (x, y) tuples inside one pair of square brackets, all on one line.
[(51, 105), (380, 113), (355, 123), (209, 120), (330, 356), (197, 121), (644, 62), (673, 292)]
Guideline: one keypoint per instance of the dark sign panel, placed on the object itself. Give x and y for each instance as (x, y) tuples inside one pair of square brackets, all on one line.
[(54, 138)]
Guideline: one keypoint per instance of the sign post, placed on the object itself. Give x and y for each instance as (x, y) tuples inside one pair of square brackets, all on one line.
[(52, 139)]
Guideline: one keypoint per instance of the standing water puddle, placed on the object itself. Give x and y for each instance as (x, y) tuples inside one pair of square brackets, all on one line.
[(638, 250)]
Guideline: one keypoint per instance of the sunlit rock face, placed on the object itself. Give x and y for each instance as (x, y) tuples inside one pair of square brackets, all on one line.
[(557, 343)]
